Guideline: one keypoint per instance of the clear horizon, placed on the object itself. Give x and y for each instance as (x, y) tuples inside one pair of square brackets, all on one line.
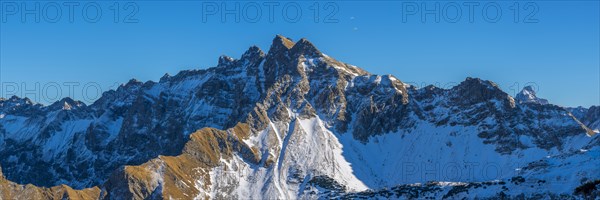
[(556, 48)]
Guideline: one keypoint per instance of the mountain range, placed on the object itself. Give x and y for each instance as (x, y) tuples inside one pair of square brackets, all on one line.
[(293, 123)]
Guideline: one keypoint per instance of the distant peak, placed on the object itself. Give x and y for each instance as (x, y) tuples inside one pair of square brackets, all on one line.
[(14, 98), (66, 103), (133, 81), (17, 99), (528, 95), (67, 99), (225, 60)]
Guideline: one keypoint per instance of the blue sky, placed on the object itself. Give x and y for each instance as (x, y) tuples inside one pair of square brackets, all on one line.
[(552, 44)]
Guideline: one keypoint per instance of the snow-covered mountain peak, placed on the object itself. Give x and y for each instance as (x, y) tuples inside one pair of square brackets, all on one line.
[(528, 95), (66, 104), (292, 123)]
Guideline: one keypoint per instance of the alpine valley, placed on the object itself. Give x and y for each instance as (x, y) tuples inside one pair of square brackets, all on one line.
[(294, 123)]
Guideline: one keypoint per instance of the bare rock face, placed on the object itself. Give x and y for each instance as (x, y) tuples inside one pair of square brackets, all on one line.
[(176, 176), (289, 123)]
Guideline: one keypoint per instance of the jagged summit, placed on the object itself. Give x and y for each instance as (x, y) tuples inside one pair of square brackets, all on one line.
[(132, 82), (302, 47), (252, 52), (476, 90), (528, 95), (280, 42), (15, 102), (18, 99), (477, 82), (225, 61)]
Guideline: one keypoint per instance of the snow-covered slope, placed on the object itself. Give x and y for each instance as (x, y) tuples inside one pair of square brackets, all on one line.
[(296, 123)]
